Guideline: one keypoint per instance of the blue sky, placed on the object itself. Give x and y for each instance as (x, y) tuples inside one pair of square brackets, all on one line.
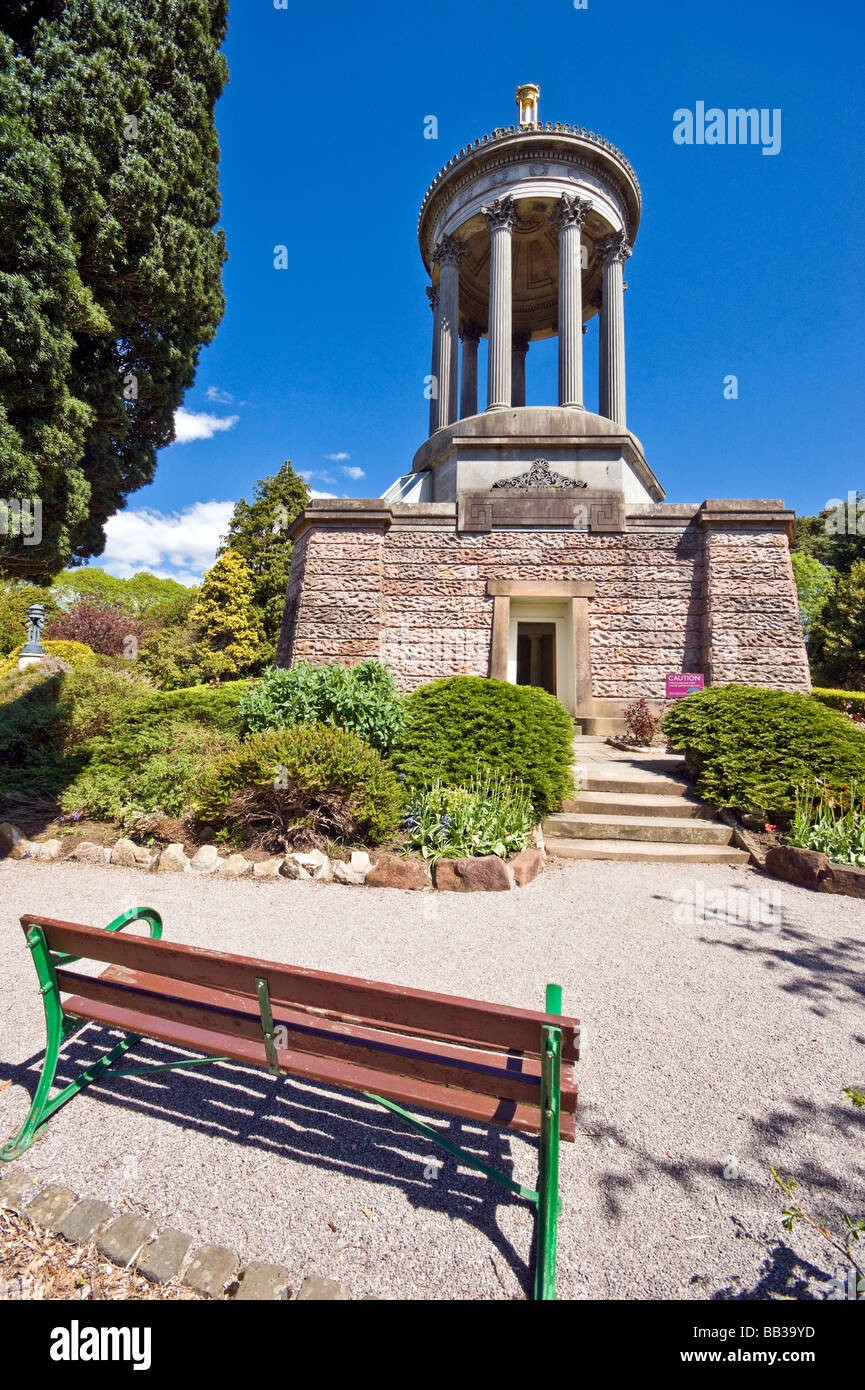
[(745, 264)]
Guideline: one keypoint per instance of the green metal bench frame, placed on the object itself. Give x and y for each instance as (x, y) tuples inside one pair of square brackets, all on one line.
[(59, 1026)]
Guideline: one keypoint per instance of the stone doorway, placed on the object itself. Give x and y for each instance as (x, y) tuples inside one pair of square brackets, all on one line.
[(556, 608), (536, 655)]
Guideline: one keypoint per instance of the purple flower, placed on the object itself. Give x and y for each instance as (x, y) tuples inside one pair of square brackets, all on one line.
[(446, 820)]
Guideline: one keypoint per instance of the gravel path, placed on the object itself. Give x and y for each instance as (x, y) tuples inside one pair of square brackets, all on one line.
[(713, 1043)]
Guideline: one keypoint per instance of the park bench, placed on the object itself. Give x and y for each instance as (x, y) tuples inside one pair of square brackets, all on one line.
[(481, 1062)]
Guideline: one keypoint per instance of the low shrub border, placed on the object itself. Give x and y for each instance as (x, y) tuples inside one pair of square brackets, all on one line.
[(382, 869), (837, 699)]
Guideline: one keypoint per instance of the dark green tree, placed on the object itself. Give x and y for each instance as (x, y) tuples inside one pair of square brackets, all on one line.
[(258, 531), (836, 537), (110, 267), (837, 642)]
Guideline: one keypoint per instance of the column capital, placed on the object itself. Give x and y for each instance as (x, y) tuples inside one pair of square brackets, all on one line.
[(471, 332), (432, 294), (501, 213), (615, 248), (570, 211), (449, 251), (521, 342)]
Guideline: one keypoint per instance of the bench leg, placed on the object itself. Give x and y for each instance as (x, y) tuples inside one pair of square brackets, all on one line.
[(56, 1028), (548, 1161)]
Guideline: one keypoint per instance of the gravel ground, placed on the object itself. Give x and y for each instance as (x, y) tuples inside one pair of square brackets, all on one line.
[(713, 1044)]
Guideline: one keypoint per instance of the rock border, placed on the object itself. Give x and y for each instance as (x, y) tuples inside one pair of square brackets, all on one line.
[(808, 868), (161, 1257), (486, 873)]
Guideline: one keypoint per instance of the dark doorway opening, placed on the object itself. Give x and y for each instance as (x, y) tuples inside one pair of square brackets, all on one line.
[(536, 655)]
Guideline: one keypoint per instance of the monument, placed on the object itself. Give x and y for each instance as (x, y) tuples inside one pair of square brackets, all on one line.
[(533, 543)]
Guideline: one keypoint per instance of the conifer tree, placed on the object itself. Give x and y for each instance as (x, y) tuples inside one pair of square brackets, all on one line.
[(230, 629), (258, 531), (110, 264)]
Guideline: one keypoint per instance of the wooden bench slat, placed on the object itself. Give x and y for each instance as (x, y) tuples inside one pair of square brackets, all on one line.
[(481, 1073), (327, 1071), (438, 1016)]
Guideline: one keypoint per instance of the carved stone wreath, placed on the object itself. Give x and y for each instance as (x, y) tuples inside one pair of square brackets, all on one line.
[(539, 475)]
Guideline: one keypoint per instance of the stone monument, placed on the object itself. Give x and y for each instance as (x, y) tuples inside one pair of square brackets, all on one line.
[(533, 543)]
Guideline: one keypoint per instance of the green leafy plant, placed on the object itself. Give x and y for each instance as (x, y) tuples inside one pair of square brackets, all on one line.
[(464, 725), (302, 786), (752, 749), (362, 698), (833, 823), (491, 815)]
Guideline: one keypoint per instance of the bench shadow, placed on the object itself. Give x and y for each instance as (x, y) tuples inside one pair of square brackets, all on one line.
[(294, 1119)]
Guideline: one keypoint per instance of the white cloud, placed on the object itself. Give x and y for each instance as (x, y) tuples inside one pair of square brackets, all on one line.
[(313, 493), (190, 425), (213, 393), (337, 458), (355, 473), (176, 545)]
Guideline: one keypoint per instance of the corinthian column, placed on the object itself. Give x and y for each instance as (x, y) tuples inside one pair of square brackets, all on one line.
[(470, 334), (433, 296), (569, 216), (615, 251), (447, 256), (502, 218), (518, 370)]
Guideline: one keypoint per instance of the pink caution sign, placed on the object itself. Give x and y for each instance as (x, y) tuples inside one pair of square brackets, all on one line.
[(683, 685)]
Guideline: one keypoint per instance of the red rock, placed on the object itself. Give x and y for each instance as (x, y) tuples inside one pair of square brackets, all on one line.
[(487, 874), (844, 878), (390, 871), (526, 865), (806, 867)]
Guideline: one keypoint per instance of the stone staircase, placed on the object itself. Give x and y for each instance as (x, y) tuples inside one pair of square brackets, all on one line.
[(638, 807)]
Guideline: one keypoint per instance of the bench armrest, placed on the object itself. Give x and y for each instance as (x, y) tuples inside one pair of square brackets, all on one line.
[(135, 914)]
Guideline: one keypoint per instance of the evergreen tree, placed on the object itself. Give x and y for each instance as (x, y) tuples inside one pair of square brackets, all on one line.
[(110, 268), (257, 531), (838, 636), (231, 636), (836, 537)]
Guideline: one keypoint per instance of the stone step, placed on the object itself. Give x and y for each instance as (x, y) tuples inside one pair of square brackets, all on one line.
[(601, 724), (672, 829), (636, 785), (645, 852), (639, 804)]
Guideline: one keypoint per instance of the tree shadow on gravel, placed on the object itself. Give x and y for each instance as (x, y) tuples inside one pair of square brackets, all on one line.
[(822, 1192), (339, 1131), (783, 1274), (816, 969)]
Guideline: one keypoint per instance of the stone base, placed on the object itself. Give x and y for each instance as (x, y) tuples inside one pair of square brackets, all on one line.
[(675, 588), (26, 661)]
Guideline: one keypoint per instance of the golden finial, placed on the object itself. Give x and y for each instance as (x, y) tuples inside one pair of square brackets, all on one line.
[(527, 103)]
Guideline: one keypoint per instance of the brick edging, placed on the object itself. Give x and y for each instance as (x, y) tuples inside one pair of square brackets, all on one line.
[(133, 1242)]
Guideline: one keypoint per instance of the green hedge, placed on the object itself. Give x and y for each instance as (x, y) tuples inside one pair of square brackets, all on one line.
[(751, 748), (836, 699), (463, 724)]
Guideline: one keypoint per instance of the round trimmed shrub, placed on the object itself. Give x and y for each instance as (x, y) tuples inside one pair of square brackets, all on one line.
[(299, 787), (751, 748), (458, 726)]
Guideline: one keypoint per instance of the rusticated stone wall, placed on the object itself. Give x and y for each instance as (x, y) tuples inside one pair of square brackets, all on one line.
[(668, 598)]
